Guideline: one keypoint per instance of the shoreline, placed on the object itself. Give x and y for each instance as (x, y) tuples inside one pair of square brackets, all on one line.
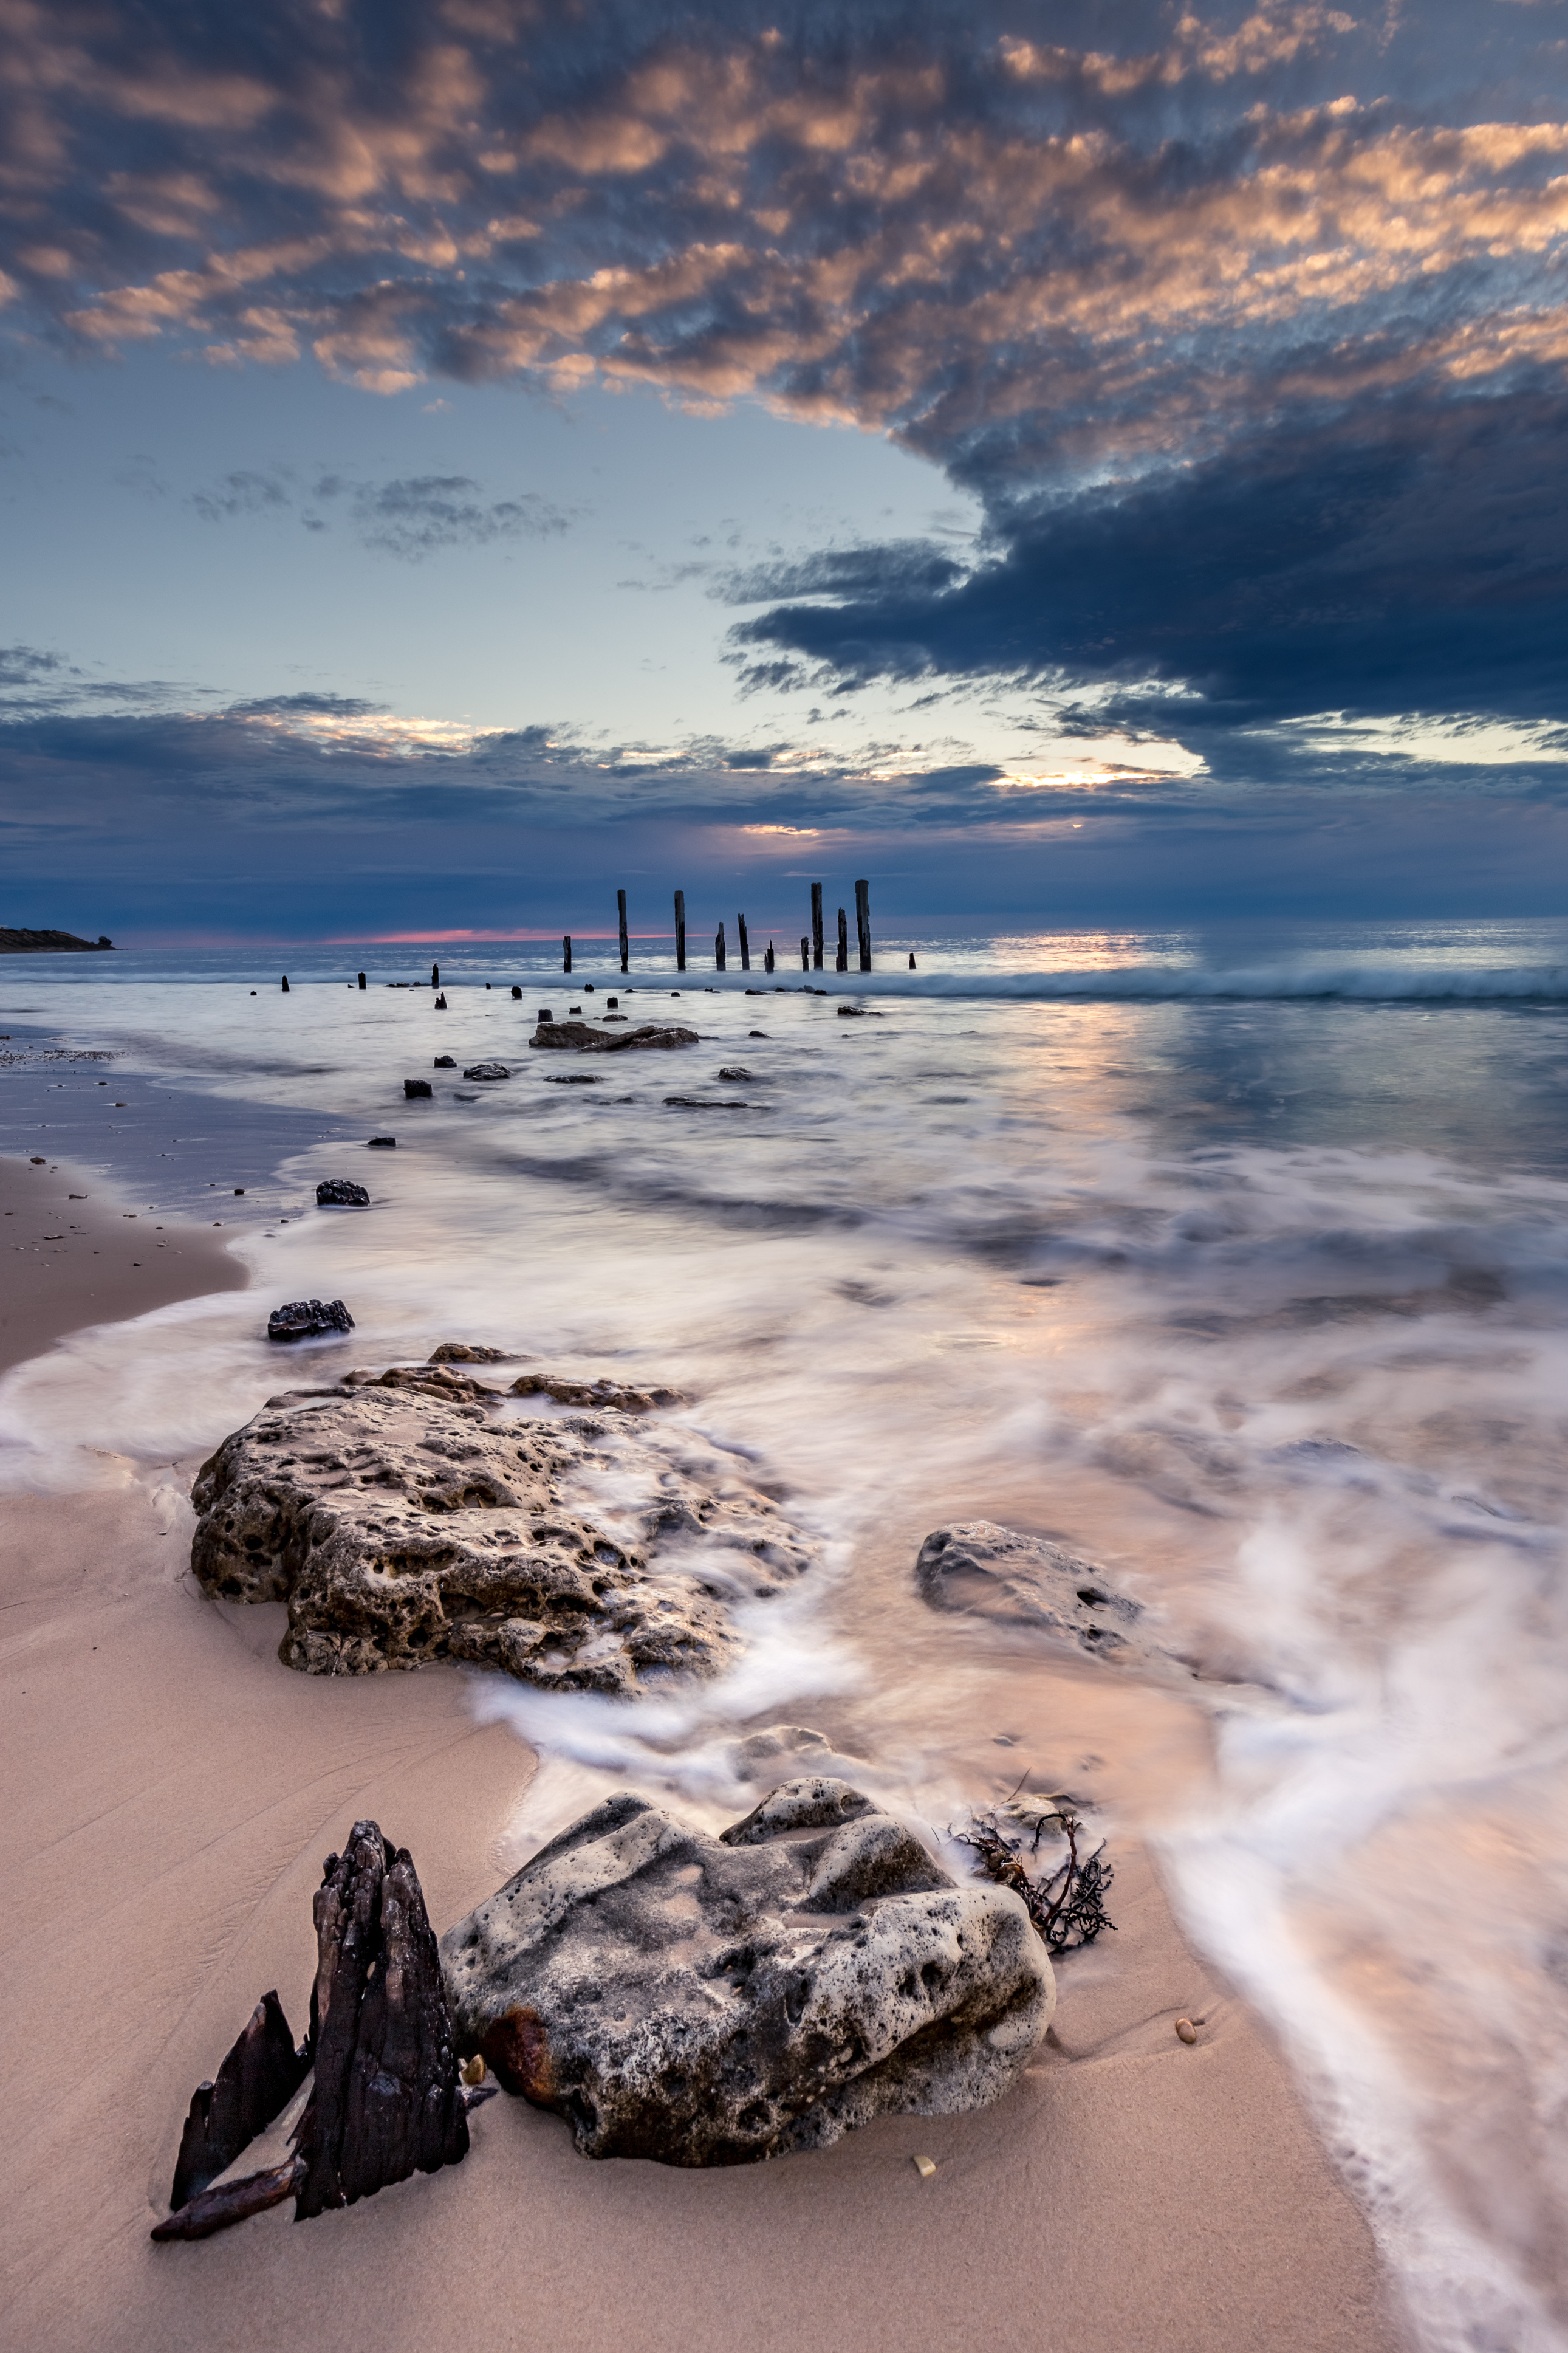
[(76, 1252), (173, 1792)]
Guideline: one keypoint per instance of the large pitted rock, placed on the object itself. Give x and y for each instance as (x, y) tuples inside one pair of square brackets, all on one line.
[(405, 1524), (995, 1572), (710, 2000), (589, 1041)]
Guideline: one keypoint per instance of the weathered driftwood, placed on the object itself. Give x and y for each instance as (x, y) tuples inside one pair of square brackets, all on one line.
[(621, 907), (863, 923), (817, 926), (841, 963), (745, 943), (804, 953), (235, 2201), (566, 952), (258, 2077), (680, 931), (386, 2100), (719, 951)]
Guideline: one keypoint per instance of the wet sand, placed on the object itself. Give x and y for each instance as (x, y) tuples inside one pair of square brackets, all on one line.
[(171, 1791), (74, 1250)]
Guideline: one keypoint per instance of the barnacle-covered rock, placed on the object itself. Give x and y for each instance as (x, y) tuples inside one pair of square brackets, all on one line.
[(407, 1523)]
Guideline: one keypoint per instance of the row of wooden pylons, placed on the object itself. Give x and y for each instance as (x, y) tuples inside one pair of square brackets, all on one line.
[(812, 948)]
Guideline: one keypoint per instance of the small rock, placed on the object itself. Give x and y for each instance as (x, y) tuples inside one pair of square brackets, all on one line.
[(383, 1144), (851, 1012), (487, 1070), (445, 1063), (735, 1071), (303, 1319), (337, 1193), (925, 2166), (995, 1572), (703, 2000), (412, 1088), (463, 1352), (1186, 2031), (574, 1078), (757, 1033), (709, 1103), (518, 994)]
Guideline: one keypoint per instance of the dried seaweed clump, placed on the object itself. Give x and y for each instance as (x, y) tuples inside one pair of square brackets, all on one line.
[(1068, 1903)]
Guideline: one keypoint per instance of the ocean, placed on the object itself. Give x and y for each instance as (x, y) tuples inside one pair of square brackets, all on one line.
[(1236, 1262)]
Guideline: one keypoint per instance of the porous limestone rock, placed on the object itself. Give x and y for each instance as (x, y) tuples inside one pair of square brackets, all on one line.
[(704, 2000), (995, 1572), (589, 1041), (402, 1519)]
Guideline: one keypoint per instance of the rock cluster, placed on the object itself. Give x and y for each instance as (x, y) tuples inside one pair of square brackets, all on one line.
[(403, 1520), (586, 1038), (1023, 1580), (705, 2001), (305, 1319)]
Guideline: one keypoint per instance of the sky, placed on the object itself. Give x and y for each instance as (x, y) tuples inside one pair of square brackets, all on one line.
[(1071, 464)]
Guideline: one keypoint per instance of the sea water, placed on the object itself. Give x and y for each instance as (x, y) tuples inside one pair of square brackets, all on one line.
[(1238, 1264)]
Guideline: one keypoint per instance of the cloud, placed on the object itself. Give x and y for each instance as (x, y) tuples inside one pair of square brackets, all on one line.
[(1247, 324), (409, 519)]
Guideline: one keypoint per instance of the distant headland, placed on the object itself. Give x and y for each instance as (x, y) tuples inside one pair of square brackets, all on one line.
[(14, 943)]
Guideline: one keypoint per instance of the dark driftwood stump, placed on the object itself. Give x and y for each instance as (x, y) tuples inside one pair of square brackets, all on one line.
[(387, 2101), (256, 2083)]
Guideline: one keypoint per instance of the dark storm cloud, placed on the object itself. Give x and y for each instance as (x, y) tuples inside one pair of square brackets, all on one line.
[(1412, 555), (1247, 325)]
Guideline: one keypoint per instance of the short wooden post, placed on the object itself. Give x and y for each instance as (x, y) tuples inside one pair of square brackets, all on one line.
[(816, 925), (768, 959), (435, 976), (680, 931), (863, 923), (843, 963), (566, 952), (719, 949), (745, 943), (805, 956), (911, 959), (362, 980), (621, 904), (285, 984)]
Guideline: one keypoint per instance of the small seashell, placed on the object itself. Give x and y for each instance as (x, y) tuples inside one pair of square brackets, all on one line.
[(474, 2070), (925, 2166), (1187, 2030)]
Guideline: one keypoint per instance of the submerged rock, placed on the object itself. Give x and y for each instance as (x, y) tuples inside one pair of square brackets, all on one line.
[(586, 1038), (401, 1522), (304, 1319), (487, 1070), (704, 2000), (416, 1087), (995, 1572)]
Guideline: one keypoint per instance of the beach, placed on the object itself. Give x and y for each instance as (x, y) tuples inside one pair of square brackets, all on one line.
[(1164, 1282), (172, 1792)]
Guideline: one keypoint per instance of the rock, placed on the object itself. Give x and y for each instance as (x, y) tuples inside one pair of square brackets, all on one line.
[(386, 2100), (851, 1012), (1022, 1580), (586, 1038), (445, 1062), (757, 1033), (400, 1523), (517, 992), (614, 1394), (463, 1352), (487, 1070), (383, 1144), (734, 1070), (702, 2000), (258, 2077), (302, 1319), (575, 1077), (413, 1088), (708, 1102), (1186, 2031), (337, 1193)]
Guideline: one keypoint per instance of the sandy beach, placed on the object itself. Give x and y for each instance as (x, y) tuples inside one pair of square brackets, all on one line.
[(173, 1791)]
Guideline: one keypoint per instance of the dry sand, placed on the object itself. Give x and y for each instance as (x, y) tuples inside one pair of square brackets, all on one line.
[(171, 1790)]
